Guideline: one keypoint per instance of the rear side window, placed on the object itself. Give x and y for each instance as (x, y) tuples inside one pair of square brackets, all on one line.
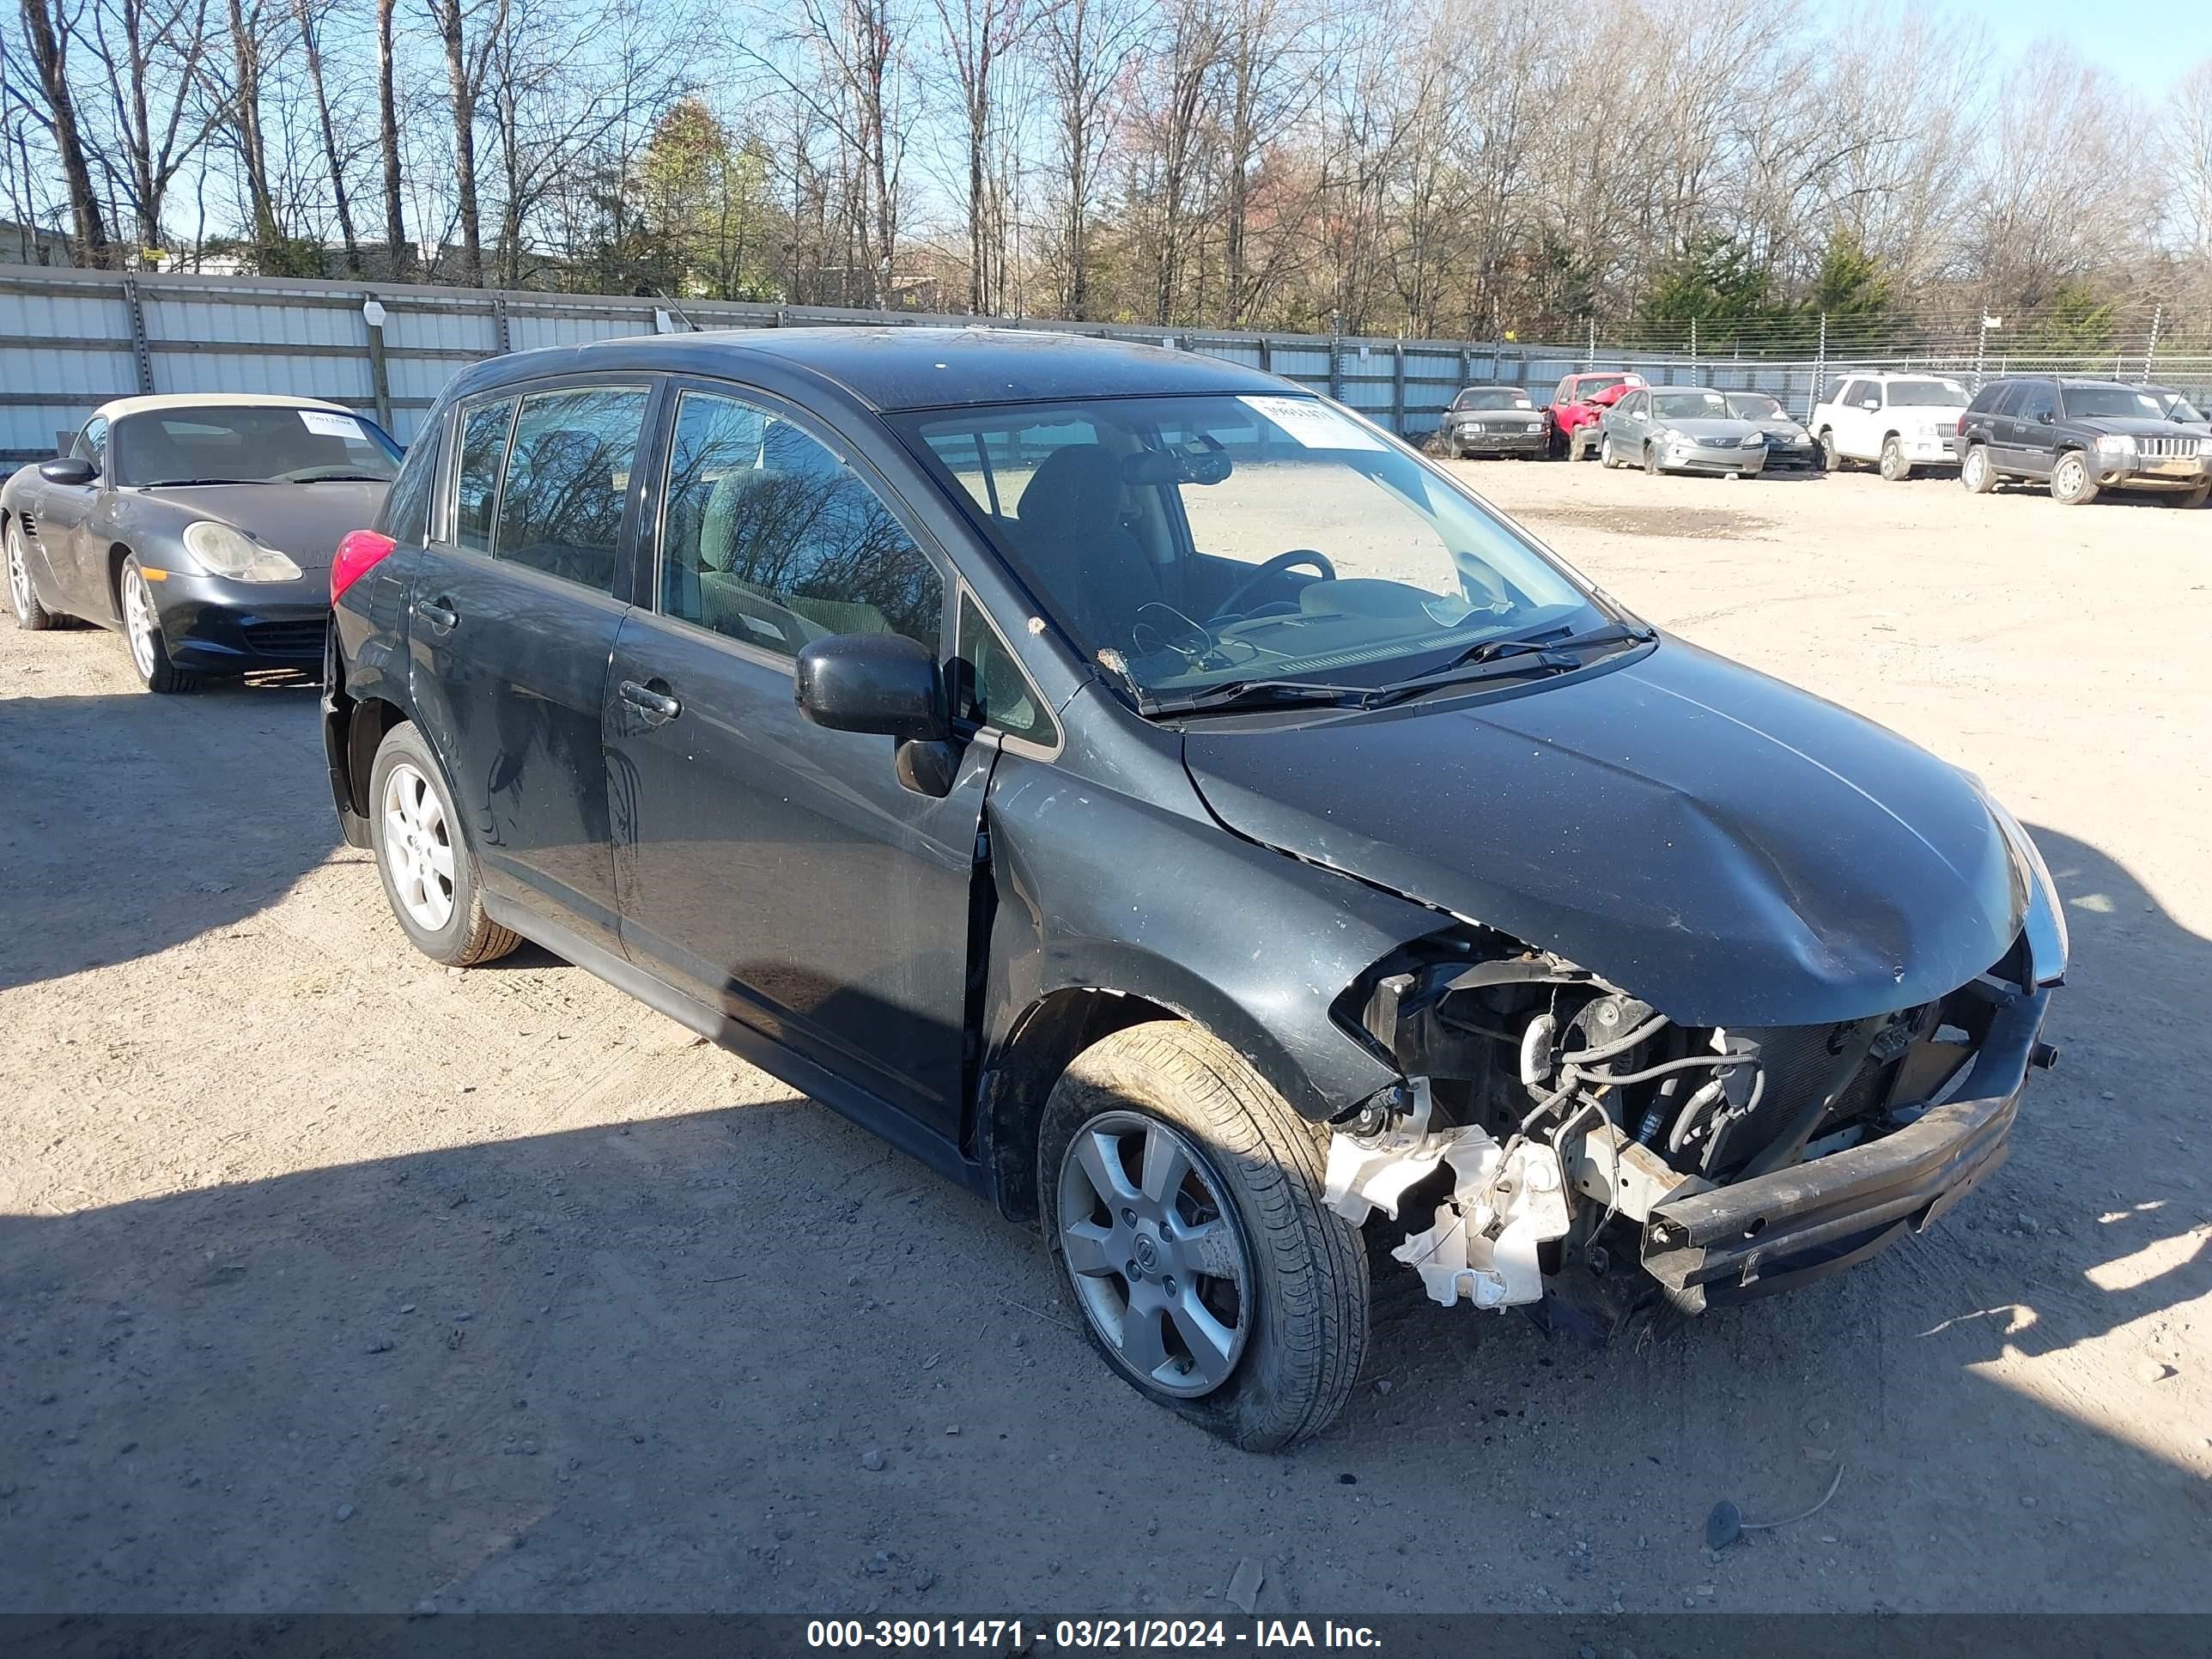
[(406, 515), (484, 452), (1991, 397), (769, 538), (567, 477)]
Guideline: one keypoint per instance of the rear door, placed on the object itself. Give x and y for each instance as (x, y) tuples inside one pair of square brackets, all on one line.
[(777, 871), (513, 614)]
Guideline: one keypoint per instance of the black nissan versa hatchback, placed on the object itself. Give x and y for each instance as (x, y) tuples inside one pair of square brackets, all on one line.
[(1173, 809)]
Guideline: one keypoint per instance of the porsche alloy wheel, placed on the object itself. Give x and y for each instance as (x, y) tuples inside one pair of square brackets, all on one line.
[(22, 593), (142, 632)]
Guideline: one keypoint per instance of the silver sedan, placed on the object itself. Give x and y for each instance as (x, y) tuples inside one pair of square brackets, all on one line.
[(1680, 429)]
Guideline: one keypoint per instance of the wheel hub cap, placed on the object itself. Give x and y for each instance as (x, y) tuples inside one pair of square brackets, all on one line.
[(418, 851), (1160, 1263)]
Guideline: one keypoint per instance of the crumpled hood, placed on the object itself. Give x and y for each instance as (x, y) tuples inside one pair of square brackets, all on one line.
[(305, 521), (1731, 849)]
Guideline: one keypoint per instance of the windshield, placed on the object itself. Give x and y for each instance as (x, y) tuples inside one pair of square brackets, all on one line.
[(1927, 394), (2112, 400), (1754, 406), (1689, 406), (2179, 408), (1591, 384), (1191, 541), (248, 443), (1494, 397)]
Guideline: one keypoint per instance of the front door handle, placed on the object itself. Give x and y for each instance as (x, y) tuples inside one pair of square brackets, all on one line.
[(436, 612), (657, 708)]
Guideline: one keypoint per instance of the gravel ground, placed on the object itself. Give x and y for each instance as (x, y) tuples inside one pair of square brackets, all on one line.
[(333, 1281)]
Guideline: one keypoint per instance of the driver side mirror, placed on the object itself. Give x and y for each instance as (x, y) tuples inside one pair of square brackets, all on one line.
[(1872, 405), (69, 469), (2045, 417), (887, 684)]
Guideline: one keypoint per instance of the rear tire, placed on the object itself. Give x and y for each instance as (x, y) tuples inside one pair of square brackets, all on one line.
[(142, 632), (22, 593), (1976, 472), (1895, 469), (429, 874), (2071, 485), (1284, 1313)]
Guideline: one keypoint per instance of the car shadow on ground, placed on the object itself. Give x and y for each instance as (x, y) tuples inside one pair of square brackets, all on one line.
[(750, 1359), (118, 843)]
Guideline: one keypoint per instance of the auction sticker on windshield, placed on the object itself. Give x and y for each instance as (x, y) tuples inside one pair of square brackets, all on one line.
[(325, 425), (1314, 425)]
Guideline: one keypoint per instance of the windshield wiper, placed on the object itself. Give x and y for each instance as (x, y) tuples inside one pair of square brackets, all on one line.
[(1249, 694), (1498, 658), (181, 483)]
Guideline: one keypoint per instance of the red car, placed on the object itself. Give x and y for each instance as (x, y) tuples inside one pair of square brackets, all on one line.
[(1578, 401)]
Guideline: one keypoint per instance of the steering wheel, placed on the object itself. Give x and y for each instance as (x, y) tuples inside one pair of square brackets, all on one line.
[(1280, 563)]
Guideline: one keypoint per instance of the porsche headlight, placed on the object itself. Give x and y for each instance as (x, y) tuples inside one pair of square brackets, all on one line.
[(223, 551)]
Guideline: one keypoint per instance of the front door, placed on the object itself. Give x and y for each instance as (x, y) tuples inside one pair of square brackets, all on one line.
[(71, 579), (511, 618), (2033, 441), (778, 871)]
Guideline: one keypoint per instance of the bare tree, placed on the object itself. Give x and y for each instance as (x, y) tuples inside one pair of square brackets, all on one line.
[(48, 26), (465, 62)]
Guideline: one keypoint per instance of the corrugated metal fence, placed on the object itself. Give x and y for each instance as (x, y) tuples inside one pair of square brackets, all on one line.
[(71, 339)]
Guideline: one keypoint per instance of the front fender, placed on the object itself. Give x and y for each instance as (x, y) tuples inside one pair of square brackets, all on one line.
[(1098, 891)]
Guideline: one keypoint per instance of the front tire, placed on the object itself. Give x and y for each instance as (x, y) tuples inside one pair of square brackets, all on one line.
[(429, 874), (23, 592), (1606, 458), (1652, 461), (2071, 482), (1895, 469), (2196, 497), (1976, 472), (142, 632), (1182, 1199), (1832, 458)]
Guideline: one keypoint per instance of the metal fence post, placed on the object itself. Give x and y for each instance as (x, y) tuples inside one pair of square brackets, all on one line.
[(1398, 387), (1820, 369), (1590, 360), (144, 357), (1266, 356), (380, 379), (499, 324), (1466, 368), (2150, 351), (1693, 350), (1336, 356)]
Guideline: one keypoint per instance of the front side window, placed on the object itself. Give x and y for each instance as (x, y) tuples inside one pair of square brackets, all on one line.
[(769, 538), (567, 477), (2038, 403), (989, 687), (92, 443), (250, 443), (1189, 541), (484, 432)]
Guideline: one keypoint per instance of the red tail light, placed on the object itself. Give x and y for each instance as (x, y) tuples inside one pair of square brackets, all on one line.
[(356, 555), (1961, 428)]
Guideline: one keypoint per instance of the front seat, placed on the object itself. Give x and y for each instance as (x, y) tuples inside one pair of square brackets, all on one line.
[(1077, 551)]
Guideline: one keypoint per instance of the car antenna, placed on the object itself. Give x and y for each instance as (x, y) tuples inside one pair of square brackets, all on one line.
[(687, 321)]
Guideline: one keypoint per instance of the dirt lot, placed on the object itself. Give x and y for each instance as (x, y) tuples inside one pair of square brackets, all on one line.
[(331, 1279)]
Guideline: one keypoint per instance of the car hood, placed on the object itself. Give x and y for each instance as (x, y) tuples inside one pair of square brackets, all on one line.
[(305, 520), (1729, 848), (1788, 431), (2136, 426)]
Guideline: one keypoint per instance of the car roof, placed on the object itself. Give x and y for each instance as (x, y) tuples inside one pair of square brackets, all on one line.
[(116, 408), (1897, 374), (888, 367)]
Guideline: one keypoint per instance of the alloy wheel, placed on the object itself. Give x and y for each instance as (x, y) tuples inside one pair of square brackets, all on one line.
[(19, 573), (1156, 1255), (140, 623), (1977, 468), (418, 847)]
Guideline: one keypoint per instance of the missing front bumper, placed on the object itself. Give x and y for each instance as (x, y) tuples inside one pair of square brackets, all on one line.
[(1777, 1231)]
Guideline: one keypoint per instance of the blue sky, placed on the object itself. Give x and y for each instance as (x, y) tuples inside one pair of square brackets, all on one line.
[(2148, 42)]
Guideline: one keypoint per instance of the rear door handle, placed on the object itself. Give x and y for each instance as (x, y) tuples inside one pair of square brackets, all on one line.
[(437, 614), (657, 707)]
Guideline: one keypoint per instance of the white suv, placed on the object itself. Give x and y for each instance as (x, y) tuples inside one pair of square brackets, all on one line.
[(1898, 422)]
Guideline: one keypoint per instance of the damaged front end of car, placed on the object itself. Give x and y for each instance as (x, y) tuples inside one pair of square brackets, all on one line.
[(1559, 1139)]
